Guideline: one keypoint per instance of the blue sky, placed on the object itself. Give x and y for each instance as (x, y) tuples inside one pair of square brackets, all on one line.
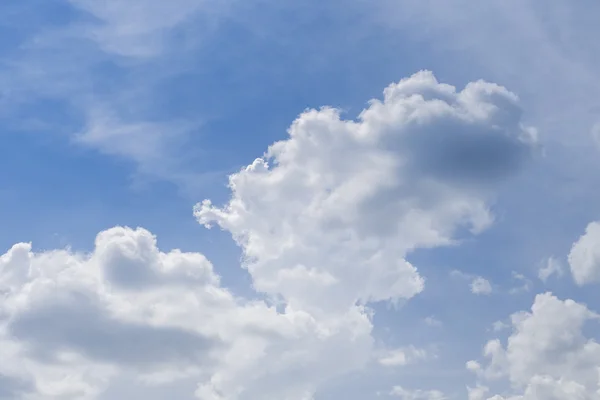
[(367, 256)]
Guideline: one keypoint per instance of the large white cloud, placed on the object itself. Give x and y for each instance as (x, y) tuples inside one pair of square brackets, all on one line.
[(325, 221), (547, 356), (584, 258), (72, 322), (336, 207)]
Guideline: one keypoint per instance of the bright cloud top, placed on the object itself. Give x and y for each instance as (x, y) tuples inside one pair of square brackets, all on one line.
[(325, 220), (584, 257), (547, 356), (328, 215)]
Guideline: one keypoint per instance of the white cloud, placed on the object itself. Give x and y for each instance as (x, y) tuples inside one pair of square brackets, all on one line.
[(326, 218), (525, 283), (460, 28), (113, 110), (552, 267), (71, 323), (417, 394), (499, 326), (364, 193), (547, 356), (481, 286), (156, 149), (584, 258), (140, 28), (477, 393), (403, 356), (325, 221)]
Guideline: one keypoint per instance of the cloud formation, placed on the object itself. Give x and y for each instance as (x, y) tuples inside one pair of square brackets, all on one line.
[(551, 266), (481, 286), (547, 356), (363, 193), (325, 220), (139, 29), (584, 258)]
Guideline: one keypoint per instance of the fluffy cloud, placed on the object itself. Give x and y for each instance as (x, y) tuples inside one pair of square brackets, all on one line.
[(69, 322), (477, 393), (324, 219), (327, 216), (547, 355), (337, 206), (481, 286), (72, 322), (584, 258), (552, 266)]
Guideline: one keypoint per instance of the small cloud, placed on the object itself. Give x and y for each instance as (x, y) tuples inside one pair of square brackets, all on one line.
[(403, 356), (525, 283), (552, 266), (478, 392), (459, 274), (481, 286), (473, 366), (499, 326), (418, 394)]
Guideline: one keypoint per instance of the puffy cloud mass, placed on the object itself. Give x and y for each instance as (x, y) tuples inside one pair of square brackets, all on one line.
[(337, 205), (547, 355), (325, 220), (584, 258), (481, 286)]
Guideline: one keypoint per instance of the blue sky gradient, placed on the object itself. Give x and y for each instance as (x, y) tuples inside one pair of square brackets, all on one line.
[(128, 113)]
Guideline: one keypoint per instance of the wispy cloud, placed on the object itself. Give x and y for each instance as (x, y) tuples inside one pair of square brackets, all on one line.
[(143, 29), (103, 65), (404, 356)]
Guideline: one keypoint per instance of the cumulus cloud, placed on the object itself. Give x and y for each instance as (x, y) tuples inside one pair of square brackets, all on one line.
[(552, 266), (547, 355), (325, 220), (584, 258), (327, 216), (481, 286), (72, 322), (477, 393), (341, 193), (93, 314)]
